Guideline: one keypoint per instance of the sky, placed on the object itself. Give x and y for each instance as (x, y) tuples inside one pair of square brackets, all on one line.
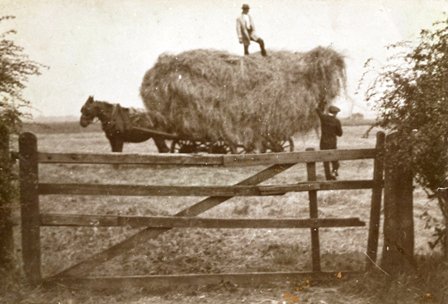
[(104, 47)]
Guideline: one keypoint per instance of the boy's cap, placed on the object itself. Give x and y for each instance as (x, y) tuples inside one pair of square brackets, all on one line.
[(333, 109)]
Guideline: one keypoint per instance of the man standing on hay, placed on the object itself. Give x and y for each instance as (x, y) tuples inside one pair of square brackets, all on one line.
[(246, 31), (330, 128)]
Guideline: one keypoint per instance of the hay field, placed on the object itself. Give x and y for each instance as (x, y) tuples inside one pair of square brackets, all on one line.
[(212, 250)]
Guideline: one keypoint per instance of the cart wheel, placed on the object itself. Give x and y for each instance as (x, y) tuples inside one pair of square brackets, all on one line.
[(219, 147), (184, 146), (286, 145), (175, 146), (239, 149)]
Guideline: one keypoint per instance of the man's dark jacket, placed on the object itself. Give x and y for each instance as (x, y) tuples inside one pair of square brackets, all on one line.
[(330, 128)]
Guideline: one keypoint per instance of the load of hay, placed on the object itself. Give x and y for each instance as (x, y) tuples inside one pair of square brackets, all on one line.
[(213, 95)]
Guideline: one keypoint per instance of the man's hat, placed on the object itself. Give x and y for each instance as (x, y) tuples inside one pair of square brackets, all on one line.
[(333, 109), (245, 6)]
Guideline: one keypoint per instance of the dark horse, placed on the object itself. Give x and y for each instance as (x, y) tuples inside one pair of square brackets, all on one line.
[(117, 123)]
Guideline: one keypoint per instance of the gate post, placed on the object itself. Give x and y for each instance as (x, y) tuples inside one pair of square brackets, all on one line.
[(398, 248), (375, 209), (312, 194), (6, 195), (29, 207)]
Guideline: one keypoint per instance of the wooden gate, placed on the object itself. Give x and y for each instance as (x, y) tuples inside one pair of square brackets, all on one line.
[(32, 219)]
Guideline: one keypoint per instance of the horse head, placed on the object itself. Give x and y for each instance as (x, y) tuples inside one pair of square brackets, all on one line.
[(88, 112)]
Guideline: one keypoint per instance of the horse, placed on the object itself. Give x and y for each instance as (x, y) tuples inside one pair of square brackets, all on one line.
[(117, 123)]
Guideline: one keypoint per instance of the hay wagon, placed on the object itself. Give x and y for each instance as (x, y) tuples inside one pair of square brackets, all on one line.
[(211, 101), (216, 102)]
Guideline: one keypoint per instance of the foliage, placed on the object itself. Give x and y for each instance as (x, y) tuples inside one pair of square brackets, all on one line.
[(410, 95), (15, 69)]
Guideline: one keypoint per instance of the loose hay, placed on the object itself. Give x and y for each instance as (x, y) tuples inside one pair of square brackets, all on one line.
[(213, 95)]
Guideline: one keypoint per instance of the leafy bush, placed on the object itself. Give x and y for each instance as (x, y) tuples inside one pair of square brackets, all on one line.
[(15, 68), (410, 95)]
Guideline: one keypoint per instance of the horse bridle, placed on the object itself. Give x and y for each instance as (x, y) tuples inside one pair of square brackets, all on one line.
[(88, 114)]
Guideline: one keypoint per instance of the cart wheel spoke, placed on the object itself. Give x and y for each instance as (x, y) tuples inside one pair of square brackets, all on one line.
[(286, 145)]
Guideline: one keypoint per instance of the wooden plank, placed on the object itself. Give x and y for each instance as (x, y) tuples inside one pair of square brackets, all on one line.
[(316, 185), (148, 233), (29, 207), (375, 209), (52, 219), (156, 282), (143, 190), (131, 159), (297, 157), (236, 190), (312, 194), (208, 159)]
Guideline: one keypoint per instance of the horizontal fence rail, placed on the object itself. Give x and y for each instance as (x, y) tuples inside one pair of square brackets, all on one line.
[(48, 219), (168, 281), (230, 160), (237, 190)]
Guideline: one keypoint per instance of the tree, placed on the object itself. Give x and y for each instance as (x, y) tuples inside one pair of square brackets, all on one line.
[(15, 69), (410, 95)]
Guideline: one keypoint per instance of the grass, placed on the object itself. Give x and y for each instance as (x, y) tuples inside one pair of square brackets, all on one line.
[(425, 284), (220, 250)]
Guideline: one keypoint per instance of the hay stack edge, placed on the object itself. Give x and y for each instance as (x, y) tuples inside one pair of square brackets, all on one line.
[(212, 95)]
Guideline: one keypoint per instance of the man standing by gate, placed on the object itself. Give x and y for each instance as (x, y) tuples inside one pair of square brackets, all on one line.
[(246, 31), (330, 128)]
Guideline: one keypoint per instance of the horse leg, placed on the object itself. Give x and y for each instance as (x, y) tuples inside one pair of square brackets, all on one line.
[(116, 144), (161, 145)]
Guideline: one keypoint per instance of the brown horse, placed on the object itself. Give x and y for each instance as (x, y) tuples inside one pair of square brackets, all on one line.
[(117, 123)]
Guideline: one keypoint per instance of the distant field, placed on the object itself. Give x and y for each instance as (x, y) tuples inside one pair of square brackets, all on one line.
[(59, 127), (74, 127)]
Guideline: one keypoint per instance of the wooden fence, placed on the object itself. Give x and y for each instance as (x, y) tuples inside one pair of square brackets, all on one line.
[(32, 219)]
